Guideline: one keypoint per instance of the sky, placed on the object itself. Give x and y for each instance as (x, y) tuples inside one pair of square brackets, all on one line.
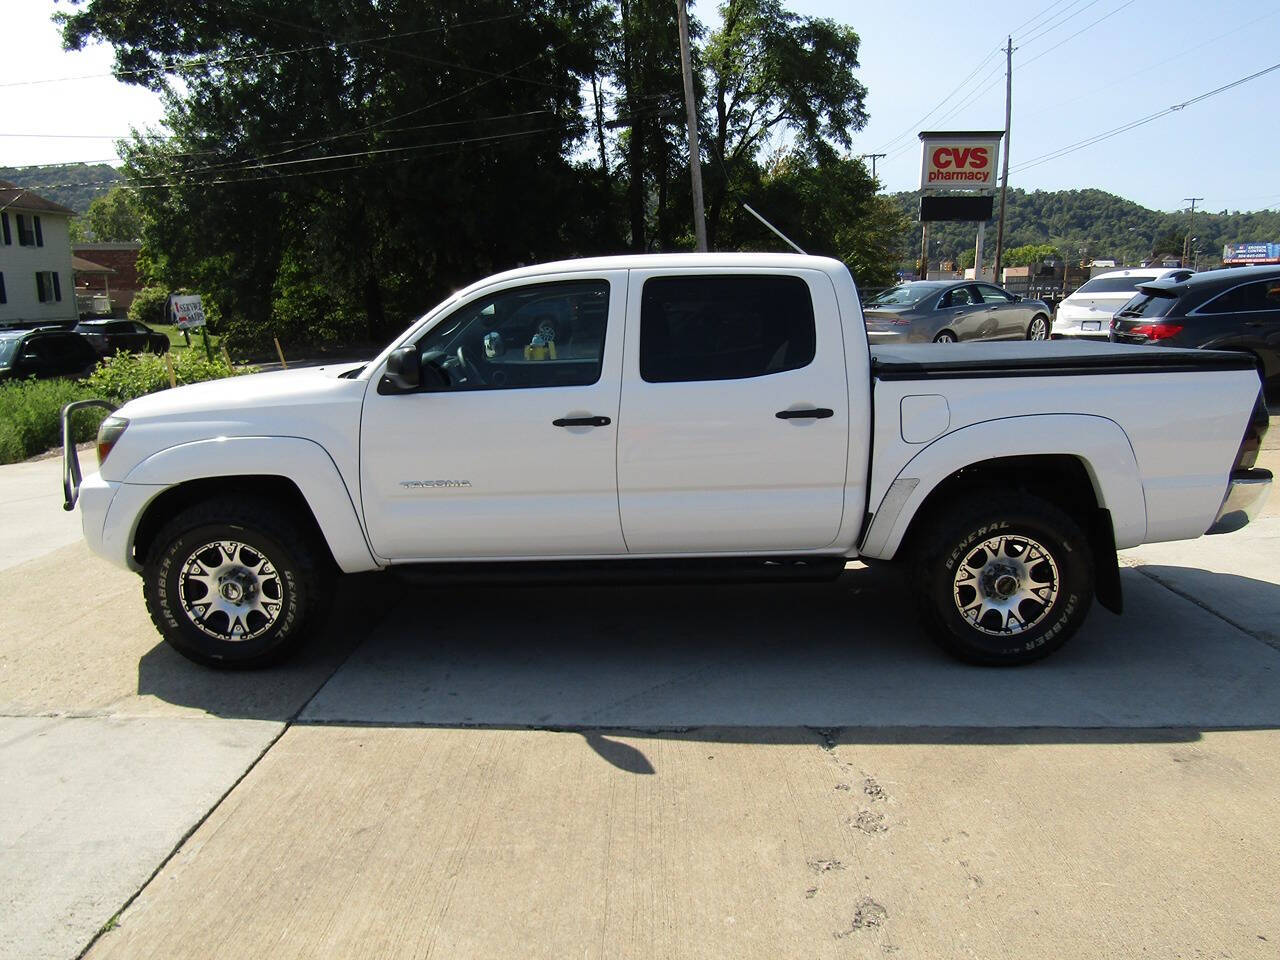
[(1080, 68)]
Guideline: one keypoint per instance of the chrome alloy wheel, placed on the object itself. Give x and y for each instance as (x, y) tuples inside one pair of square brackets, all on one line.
[(1039, 329), (1006, 585), (230, 591)]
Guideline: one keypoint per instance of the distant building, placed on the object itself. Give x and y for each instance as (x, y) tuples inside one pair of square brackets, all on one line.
[(36, 279), (119, 282)]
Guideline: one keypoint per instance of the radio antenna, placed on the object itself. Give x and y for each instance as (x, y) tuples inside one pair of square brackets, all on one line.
[(785, 239)]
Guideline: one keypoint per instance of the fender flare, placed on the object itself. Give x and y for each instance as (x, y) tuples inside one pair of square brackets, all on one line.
[(1100, 444), (311, 469)]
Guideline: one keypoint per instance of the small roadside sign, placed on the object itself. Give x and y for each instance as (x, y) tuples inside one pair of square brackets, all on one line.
[(188, 313)]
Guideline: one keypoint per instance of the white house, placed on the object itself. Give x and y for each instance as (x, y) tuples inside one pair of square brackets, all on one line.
[(36, 281)]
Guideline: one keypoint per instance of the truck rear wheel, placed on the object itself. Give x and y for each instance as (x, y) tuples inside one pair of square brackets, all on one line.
[(232, 583), (1005, 578)]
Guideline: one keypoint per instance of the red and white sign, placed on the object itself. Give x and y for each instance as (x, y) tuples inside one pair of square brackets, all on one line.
[(959, 162)]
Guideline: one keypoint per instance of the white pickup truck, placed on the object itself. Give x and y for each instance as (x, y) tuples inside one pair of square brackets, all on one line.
[(689, 415)]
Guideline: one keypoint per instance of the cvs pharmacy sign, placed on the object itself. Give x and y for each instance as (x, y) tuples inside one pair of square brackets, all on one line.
[(959, 161)]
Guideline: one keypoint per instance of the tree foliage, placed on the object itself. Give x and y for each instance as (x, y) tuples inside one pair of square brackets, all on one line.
[(1093, 224), (116, 217), (333, 167)]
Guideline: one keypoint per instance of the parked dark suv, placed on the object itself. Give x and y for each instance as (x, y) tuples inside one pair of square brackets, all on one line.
[(110, 336), (1232, 309), (44, 353)]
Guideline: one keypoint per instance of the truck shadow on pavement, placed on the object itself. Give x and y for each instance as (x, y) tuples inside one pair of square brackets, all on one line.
[(746, 661)]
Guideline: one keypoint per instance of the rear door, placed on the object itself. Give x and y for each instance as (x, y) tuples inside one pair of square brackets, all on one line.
[(1247, 317), (735, 423)]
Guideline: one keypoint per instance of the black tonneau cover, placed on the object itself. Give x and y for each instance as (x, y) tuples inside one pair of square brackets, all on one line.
[(1060, 358)]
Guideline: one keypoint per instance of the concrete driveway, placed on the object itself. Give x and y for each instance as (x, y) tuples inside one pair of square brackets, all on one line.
[(651, 772)]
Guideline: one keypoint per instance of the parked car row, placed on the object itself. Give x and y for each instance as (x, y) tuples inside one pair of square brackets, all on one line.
[(1231, 309), (28, 350)]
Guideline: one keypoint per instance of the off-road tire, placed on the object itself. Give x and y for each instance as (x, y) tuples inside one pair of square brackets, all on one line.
[(953, 536), (302, 570)]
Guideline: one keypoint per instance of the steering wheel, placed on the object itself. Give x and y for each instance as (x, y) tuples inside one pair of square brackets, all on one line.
[(470, 372)]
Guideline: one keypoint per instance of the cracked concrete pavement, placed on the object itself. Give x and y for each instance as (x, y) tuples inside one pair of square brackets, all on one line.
[(648, 772)]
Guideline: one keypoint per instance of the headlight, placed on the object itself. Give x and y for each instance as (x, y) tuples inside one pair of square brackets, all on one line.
[(108, 434)]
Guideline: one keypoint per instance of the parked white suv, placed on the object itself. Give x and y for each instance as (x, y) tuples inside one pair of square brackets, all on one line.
[(1088, 311)]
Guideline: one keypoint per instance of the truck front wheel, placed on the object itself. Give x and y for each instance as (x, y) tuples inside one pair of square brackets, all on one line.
[(1006, 578), (232, 583)]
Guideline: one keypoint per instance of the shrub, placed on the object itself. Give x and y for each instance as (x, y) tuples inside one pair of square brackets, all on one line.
[(123, 377), (30, 416), (30, 410), (149, 306)]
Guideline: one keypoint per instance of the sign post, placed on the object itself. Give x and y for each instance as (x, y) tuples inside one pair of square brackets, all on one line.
[(188, 314)]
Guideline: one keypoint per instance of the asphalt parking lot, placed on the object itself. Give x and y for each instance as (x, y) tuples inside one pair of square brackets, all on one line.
[(774, 771)]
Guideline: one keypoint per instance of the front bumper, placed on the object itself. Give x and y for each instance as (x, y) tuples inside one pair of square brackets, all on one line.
[(1246, 495)]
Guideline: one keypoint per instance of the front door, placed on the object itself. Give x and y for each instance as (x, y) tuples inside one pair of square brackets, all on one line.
[(1006, 313), (735, 422), (515, 457)]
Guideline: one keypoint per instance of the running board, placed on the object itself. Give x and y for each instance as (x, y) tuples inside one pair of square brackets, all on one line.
[(625, 570)]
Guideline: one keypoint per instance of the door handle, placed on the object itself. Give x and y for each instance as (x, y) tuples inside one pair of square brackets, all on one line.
[(813, 413), (581, 422)]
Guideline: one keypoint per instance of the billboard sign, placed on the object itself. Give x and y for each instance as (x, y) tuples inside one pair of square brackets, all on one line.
[(1251, 253), (959, 160), (188, 313)]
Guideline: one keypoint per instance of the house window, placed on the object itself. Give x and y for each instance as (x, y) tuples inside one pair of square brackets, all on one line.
[(48, 288), (29, 234)]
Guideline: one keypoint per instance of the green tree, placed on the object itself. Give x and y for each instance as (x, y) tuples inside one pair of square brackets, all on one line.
[(116, 217), (1030, 253), (774, 72), (408, 149)]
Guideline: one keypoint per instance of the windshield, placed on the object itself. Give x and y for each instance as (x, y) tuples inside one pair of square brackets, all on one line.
[(1148, 305), (1111, 285), (903, 293), (8, 347)]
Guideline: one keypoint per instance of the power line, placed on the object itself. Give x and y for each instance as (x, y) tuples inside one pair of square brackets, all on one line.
[(1077, 33), (1160, 63), (200, 153), (1030, 20), (386, 120), (1116, 131), (1048, 28), (275, 175), (177, 65), (907, 131)]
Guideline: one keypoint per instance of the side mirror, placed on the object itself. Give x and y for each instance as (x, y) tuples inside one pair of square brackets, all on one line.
[(404, 370)]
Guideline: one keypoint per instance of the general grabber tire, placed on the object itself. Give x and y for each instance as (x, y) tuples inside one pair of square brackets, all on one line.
[(234, 583), (1005, 578)]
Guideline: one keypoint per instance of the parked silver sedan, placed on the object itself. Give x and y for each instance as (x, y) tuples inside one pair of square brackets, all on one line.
[(950, 311)]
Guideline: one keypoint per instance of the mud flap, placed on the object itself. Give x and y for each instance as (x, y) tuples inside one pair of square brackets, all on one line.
[(1106, 565)]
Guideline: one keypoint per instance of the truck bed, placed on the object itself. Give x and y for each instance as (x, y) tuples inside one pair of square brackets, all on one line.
[(950, 361)]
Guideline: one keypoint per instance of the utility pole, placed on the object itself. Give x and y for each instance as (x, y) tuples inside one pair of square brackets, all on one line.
[(691, 116), (1004, 177), (873, 157), (1186, 243)]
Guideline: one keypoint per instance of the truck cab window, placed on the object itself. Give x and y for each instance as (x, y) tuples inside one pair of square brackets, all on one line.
[(543, 335), (724, 327)]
